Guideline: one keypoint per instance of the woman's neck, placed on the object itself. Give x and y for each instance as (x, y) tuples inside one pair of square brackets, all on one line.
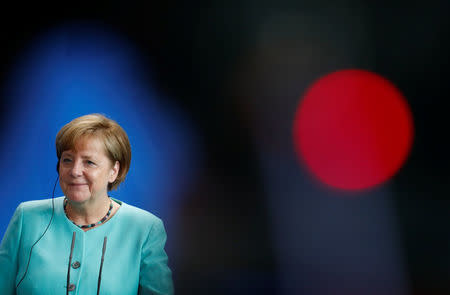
[(88, 212)]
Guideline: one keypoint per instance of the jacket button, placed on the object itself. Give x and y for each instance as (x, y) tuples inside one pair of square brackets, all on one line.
[(71, 287), (76, 264)]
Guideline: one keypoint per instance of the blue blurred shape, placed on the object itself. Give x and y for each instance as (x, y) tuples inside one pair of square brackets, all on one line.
[(82, 68)]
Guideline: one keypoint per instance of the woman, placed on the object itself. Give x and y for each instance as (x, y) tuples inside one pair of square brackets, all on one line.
[(86, 242)]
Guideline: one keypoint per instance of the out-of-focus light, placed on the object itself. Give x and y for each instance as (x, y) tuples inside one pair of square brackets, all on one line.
[(353, 129)]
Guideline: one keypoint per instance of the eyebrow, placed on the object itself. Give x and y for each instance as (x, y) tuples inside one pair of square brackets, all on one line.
[(68, 153)]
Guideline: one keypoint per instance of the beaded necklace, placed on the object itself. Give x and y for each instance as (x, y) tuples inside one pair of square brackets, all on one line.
[(92, 224)]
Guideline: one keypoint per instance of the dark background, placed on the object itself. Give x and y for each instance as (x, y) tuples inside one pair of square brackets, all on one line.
[(201, 54)]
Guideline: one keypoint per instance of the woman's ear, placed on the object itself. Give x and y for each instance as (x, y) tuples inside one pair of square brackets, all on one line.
[(114, 172)]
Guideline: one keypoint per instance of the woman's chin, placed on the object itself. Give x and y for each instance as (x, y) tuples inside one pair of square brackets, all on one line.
[(78, 198)]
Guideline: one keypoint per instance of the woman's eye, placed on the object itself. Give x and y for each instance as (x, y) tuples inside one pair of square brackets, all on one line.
[(90, 163), (66, 160)]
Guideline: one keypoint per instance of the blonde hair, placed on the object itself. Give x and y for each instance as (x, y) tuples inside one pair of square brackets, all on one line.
[(117, 145)]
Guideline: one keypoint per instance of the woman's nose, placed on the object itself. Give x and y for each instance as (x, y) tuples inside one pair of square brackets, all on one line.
[(77, 169)]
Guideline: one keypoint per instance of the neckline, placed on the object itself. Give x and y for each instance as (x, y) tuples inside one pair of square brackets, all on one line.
[(105, 225), (95, 224)]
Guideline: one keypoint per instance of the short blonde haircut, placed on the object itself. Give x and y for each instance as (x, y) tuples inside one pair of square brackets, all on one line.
[(117, 145)]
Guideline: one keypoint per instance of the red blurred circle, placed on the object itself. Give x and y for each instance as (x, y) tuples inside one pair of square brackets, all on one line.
[(353, 129)]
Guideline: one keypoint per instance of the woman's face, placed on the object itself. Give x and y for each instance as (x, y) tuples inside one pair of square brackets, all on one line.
[(86, 170)]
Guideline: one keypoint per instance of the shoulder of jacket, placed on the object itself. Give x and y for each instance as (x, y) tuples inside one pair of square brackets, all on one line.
[(36, 206), (139, 215)]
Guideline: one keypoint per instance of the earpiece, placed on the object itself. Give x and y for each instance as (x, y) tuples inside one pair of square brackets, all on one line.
[(49, 223)]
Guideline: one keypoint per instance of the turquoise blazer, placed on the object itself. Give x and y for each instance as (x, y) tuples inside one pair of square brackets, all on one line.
[(131, 244)]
